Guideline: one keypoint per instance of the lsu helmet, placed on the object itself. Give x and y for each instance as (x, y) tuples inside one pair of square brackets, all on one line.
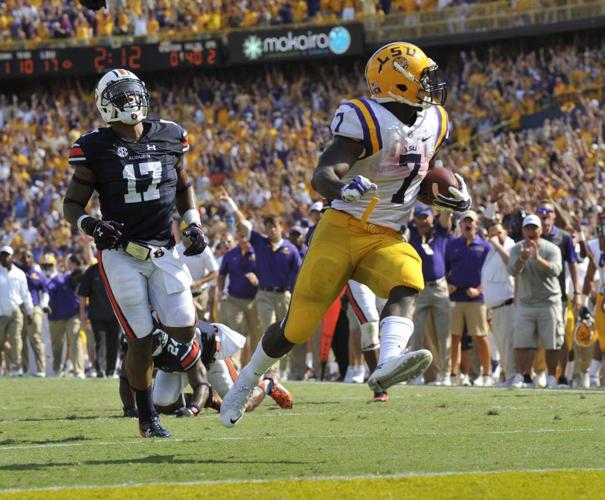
[(403, 73), (585, 333), (121, 96), (48, 259)]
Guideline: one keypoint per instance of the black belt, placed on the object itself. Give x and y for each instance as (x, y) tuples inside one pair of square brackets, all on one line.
[(435, 282), (506, 303), (272, 289)]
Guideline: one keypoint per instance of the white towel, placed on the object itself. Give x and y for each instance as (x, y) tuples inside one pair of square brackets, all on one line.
[(176, 274), (230, 341)]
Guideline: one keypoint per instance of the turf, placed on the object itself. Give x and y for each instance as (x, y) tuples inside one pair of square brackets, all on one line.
[(61, 433)]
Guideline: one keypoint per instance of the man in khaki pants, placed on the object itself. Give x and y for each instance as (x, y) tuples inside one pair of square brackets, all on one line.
[(238, 309), (277, 264), (36, 282), (13, 295), (63, 315)]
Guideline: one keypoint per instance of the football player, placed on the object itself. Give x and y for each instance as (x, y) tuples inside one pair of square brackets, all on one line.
[(383, 146), (205, 365), (135, 165)]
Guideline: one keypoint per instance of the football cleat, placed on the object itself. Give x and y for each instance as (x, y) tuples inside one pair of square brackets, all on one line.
[(400, 369), (279, 394), (153, 428), (381, 397), (234, 404)]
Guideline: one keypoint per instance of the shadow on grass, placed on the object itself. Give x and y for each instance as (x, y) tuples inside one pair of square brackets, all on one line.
[(66, 417), (152, 459), (12, 442)]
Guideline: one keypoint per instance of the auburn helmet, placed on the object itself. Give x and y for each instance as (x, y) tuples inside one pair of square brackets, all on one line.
[(121, 96), (585, 333), (402, 72)]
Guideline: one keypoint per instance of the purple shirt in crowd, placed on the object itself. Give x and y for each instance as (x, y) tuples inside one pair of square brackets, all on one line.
[(62, 298), (36, 282), (275, 269), (433, 266), (463, 264), (236, 265)]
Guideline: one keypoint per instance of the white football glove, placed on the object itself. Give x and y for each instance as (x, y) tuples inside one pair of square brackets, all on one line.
[(460, 200), (355, 189)]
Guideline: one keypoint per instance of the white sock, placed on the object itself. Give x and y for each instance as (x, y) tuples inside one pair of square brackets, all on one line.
[(569, 371), (595, 368), (258, 366), (395, 333)]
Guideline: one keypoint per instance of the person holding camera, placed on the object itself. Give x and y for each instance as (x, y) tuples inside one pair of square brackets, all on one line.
[(536, 263)]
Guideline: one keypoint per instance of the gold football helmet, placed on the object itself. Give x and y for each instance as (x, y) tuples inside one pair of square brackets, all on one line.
[(402, 72), (585, 333)]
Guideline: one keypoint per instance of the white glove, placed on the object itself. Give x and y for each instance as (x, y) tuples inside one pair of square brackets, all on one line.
[(460, 200), (355, 189)]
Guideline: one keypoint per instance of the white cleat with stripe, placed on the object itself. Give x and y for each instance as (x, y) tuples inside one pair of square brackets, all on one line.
[(400, 369)]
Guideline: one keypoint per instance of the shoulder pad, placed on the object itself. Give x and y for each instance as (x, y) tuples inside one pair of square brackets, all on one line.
[(77, 151), (357, 120), (443, 126), (180, 131)]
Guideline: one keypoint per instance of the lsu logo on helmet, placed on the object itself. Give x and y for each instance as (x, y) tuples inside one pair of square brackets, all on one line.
[(585, 333), (403, 73)]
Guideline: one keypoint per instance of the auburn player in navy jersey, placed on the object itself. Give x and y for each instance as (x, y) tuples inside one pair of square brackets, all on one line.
[(135, 165), (205, 359)]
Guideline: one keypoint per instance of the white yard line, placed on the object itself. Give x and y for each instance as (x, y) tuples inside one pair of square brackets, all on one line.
[(479, 432), (310, 478)]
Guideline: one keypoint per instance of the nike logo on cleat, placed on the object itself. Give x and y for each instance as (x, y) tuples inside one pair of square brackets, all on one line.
[(234, 421)]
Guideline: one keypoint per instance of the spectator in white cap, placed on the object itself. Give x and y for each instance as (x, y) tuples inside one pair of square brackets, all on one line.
[(15, 294), (536, 263)]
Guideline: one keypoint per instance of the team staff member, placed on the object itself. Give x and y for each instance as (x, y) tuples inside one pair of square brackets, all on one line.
[(14, 295), (498, 290), (238, 308), (105, 326), (536, 263), (464, 257), (36, 282), (277, 264), (561, 238), (429, 237), (63, 312)]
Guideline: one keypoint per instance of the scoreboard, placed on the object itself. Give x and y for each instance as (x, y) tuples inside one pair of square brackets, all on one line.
[(100, 58)]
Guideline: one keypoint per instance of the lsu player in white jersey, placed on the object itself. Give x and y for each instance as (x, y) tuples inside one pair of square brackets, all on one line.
[(382, 146), (596, 272)]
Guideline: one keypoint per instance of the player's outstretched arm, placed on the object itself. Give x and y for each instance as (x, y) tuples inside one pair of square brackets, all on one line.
[(334, 163), (201, 390)]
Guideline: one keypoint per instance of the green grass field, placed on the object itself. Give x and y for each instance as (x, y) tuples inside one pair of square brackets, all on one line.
[(427, 441)]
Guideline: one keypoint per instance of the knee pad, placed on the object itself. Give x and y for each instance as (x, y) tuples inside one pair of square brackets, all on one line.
[(370, 337)]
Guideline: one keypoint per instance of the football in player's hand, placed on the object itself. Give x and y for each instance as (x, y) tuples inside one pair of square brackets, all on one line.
[(437, 180)]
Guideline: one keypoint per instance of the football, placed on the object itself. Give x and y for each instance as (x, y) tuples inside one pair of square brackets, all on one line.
[(437, 180)]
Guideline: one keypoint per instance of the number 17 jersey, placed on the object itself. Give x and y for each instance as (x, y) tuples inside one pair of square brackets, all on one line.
[(136, 180), (396, 157)]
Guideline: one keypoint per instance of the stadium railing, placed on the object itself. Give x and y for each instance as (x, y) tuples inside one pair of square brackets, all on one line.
[(481, 17)]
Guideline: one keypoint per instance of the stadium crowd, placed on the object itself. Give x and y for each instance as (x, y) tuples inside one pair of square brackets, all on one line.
[(260, 139), (43, 20)]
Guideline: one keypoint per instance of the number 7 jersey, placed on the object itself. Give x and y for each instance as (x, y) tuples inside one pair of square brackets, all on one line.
[(136, 180), (396, 157)]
